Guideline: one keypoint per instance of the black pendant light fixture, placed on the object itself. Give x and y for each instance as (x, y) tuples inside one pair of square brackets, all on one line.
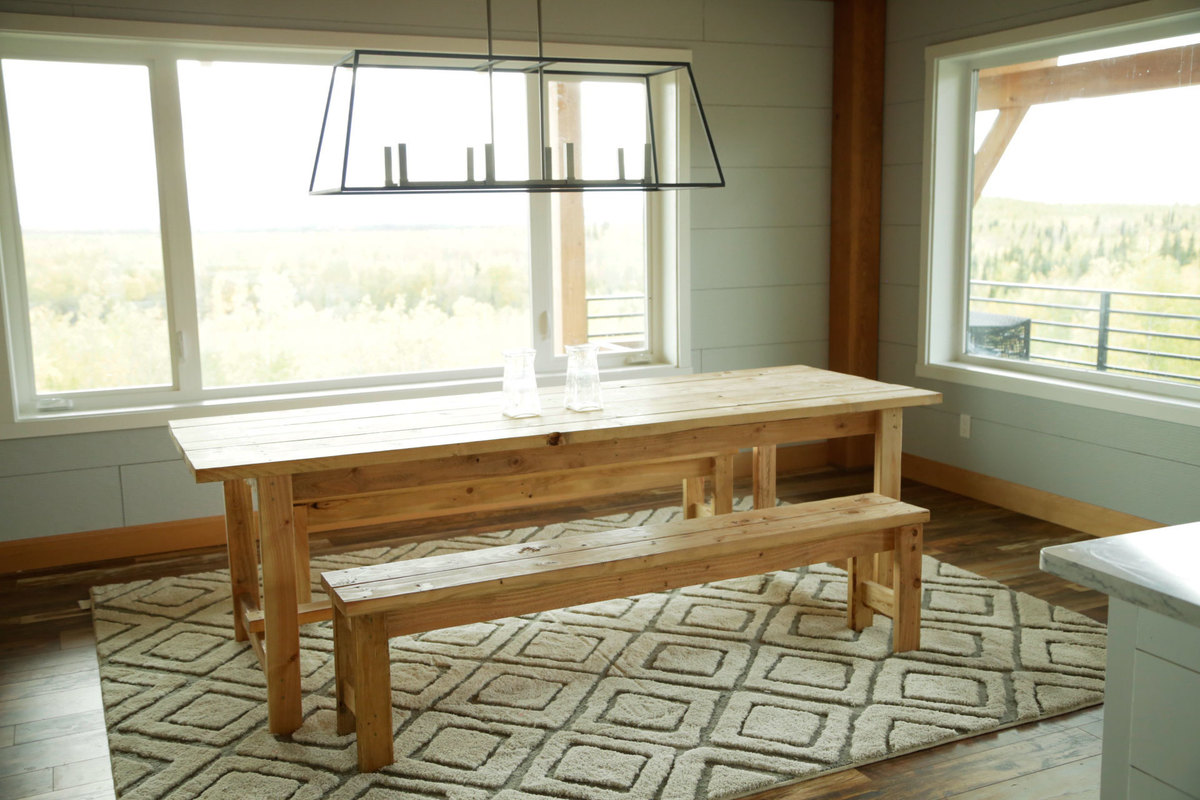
[(412, 122)]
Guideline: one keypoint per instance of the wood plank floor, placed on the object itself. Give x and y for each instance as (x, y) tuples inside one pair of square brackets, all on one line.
[(53, 744)]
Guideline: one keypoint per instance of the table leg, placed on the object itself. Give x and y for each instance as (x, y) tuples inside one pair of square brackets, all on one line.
[(888, 447), (303, 570), (240, 538), (693, 497), (764, 476), (723, 483), (281, 626)]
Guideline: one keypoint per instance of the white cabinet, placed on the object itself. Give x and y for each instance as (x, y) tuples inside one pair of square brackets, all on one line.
[(1152, 688)]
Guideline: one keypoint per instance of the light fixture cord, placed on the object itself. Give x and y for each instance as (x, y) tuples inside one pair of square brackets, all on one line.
[(541, 66)]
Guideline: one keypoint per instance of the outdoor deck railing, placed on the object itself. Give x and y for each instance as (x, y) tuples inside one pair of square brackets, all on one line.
[(1102, 329), (609, 321)]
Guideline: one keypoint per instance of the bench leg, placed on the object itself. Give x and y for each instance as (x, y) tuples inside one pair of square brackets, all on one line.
[(372, 692), (343, 672), (906, 621), (859, 571)]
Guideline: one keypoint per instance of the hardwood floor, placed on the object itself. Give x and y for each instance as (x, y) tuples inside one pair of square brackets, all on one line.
[(53, 743)]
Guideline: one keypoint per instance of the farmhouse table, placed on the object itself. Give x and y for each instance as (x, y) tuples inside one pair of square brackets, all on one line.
[(397, 463)]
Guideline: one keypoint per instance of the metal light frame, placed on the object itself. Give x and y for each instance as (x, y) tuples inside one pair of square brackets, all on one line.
[(541, 66)]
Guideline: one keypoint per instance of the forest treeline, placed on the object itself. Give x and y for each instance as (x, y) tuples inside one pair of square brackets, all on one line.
[(287, 305), (1119, 249)]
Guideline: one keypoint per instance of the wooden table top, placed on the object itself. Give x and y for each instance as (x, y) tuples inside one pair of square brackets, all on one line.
[(353, 435)]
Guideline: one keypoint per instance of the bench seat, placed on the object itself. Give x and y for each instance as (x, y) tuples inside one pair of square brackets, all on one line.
[(373, 603)]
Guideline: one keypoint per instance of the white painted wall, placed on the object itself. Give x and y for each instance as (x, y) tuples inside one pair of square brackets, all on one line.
[(1132, 464), (759, 247)]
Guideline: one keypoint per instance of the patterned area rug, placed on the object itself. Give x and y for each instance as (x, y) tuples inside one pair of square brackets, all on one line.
[(711, 692)]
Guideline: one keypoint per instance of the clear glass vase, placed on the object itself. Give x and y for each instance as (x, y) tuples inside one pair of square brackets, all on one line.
[(520, 384), (583, 378)]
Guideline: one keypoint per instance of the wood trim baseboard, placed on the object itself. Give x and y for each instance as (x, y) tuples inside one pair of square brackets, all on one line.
[(1074, 514), (68, 549), (85, 547)]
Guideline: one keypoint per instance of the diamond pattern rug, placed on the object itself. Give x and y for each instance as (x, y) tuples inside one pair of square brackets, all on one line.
[(712, 691)]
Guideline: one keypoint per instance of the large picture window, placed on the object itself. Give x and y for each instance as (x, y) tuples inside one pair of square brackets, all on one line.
[(1062, 228), (161, 249)]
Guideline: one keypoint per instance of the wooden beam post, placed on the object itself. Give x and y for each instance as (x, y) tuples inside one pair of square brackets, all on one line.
[(571, 301), (994, 145), (856, 200)]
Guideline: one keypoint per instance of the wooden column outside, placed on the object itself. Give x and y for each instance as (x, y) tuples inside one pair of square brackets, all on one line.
[(572, 250), (855, 201)]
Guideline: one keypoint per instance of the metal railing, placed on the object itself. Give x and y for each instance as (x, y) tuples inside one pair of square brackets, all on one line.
[(609, 320), (1101, 329)]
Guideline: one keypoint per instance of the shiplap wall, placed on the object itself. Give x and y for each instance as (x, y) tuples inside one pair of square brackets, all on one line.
[(759, 247), (1143, 467)]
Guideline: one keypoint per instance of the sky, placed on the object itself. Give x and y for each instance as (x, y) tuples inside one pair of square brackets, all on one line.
[(84, 157), (250, 136)]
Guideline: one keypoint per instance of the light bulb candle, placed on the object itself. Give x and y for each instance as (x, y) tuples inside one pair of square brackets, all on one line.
[(547, 163), (489, 162), (387, 167), (470, 164), (569, 160), (402, 162), (620, 163), (648, 173)]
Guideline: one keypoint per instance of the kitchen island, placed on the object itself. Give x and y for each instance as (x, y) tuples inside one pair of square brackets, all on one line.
[(1152, 687)]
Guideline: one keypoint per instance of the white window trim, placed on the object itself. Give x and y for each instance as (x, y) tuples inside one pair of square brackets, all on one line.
[(945, 194), (27, 36)]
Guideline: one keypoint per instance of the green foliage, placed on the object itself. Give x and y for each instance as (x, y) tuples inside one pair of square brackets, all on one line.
[(1113, 248), (286, 306)]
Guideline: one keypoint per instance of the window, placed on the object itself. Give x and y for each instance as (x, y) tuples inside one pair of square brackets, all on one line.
[(293, 288), (1061, 249), (93, 268), (161, 250)]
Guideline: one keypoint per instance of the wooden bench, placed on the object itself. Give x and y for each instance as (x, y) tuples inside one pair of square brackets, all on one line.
[(373, 603)]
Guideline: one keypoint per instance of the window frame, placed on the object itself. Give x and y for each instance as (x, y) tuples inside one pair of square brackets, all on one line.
[(158, 47), (946, 219)]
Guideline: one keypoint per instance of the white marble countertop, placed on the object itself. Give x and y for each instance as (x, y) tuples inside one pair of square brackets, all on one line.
[(1158, 570)]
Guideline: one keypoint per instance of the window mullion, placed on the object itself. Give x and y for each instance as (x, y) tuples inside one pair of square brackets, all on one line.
[(180, 278), (541, 236), (541, 284), (14, 337)]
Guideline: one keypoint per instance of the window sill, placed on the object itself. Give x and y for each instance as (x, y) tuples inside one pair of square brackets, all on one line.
[(1122, 401), (110, 419)]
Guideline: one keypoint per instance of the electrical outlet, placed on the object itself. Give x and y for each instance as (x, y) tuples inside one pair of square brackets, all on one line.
[(964, 426)]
